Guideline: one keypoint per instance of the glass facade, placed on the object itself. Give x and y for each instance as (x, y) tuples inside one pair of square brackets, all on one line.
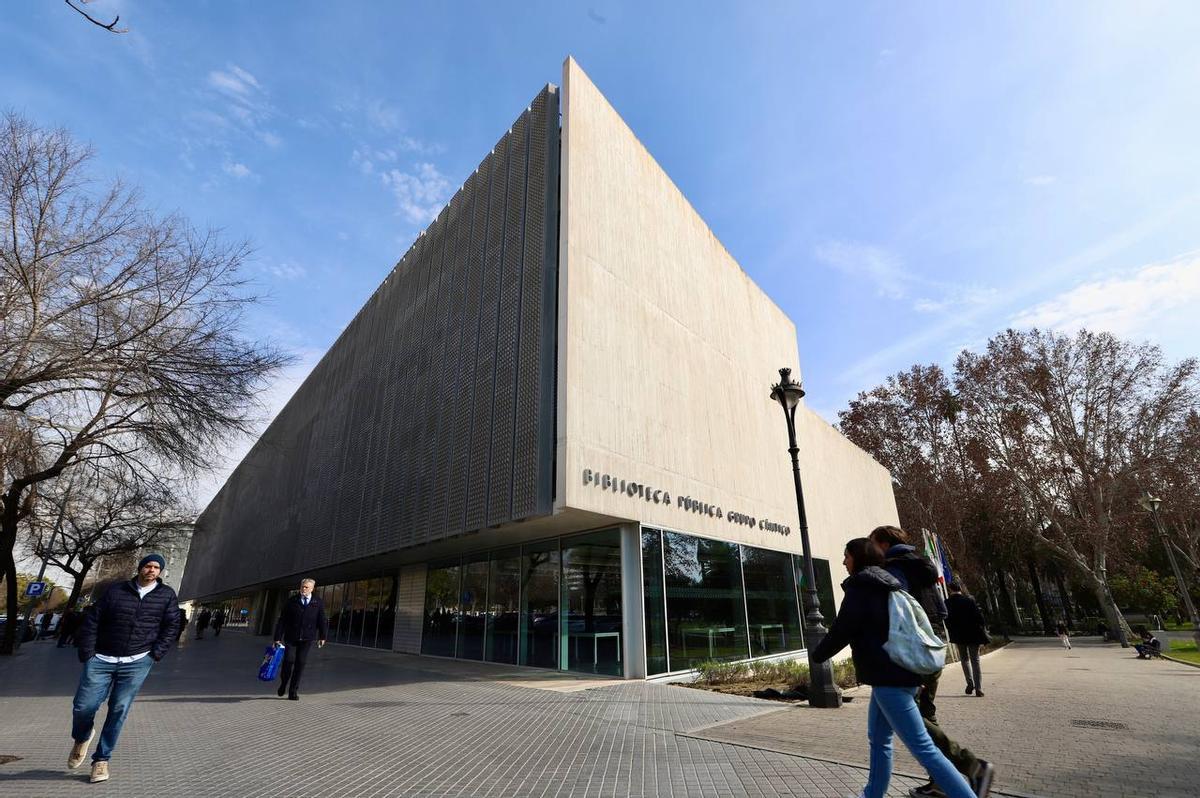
[(824, 587), (591, 573), (506, 605), (361, 613), (715, 600)]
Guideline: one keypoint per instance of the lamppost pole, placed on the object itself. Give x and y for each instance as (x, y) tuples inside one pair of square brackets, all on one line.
[(1151, 503), (822, 691)]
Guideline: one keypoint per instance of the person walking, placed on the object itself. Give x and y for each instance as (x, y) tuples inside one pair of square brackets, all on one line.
[(301, 623), (67, 626), (218, 620), (1064, 635), (202, 622), (919, 578), (183, 622), (122, 635), (862, 623), (968, 631)]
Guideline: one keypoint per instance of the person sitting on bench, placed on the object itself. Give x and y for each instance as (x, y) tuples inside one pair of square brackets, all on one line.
[(1150, 646)]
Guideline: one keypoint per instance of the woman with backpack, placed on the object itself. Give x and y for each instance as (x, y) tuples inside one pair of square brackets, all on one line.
[(862, 623)]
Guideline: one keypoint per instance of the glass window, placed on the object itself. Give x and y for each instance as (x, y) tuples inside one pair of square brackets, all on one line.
[(441, 610), (344, 624), (591, 572), (371, 615), (824, 587), (652, 580), (387, 614), (474, 607), (361, 590), (771, 601), (705, 610), (334, 608), (539, 605), (504, 606)]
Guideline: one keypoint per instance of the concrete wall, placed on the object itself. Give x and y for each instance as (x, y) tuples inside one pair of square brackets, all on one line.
[(667, 353)]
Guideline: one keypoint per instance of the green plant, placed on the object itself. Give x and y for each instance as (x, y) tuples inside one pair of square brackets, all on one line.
[(713, 672)]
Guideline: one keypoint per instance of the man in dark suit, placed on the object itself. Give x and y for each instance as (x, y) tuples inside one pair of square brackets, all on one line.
[(301, 623)]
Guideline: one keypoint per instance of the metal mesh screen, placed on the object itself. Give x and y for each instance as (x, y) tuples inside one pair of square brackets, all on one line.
[(433, 413)]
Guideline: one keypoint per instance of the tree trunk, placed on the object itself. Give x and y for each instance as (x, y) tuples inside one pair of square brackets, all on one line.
[(1047, 626), (77, 588), (1010, 599), (1112, 613), (7, 644), (1064, 595)]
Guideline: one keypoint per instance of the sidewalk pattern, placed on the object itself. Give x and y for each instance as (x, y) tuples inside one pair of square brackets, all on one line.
[(1093, 722), (373, 723)]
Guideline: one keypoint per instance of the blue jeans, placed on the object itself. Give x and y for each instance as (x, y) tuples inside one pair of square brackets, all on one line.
[(895, 709), (119, 682)]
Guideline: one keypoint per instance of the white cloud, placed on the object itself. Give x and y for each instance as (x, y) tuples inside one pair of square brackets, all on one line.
[(1040, 180), (1127, 305), (287, 271), (238, 170), (868, 262), (236, 81), (956, 298), (420, 193)]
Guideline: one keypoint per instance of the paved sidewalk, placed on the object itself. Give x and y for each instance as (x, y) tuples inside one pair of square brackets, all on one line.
[(1092, 722), (373, 723)]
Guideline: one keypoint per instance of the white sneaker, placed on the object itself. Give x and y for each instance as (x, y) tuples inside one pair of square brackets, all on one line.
[(99, 771)]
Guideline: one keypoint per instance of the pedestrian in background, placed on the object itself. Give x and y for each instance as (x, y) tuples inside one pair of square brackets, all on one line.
[(968, 631), (218, 621), (862, 623), (1064, 636), (202, 623), (131, 627), (67, 626), (301, 623), (183, 622)]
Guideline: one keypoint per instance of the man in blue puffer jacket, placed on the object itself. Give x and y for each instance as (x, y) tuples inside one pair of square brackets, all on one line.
[(131, 627)]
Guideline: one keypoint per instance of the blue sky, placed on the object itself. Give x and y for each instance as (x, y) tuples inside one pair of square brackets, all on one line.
[(904, 180)]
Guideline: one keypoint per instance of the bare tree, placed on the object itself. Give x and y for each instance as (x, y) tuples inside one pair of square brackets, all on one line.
[(1072, 424), (119, 330), (101, 512), (111, 27)]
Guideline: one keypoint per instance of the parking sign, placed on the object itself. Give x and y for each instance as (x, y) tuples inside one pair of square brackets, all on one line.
[(35, 589)]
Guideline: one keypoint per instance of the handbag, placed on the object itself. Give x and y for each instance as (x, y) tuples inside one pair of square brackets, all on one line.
[(912, 643), (268, 671)]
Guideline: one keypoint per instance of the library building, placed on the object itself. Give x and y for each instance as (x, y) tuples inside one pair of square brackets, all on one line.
[(548, 437)]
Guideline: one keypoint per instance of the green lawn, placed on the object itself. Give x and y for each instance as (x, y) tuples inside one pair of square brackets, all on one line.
[(1186, 651), (1186, 626)]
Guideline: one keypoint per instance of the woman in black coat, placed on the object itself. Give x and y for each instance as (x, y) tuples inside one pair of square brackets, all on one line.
[(968, 631), (862, 623)]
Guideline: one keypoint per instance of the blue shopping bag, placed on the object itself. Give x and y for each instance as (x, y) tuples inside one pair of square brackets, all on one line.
[(272, 659)]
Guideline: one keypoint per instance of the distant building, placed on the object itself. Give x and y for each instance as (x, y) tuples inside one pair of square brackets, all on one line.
[(546, 439)]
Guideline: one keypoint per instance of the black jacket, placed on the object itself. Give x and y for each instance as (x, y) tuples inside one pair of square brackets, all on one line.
[(121, 624), (298, 622), (919, 578), (965, 622), (862, 623)]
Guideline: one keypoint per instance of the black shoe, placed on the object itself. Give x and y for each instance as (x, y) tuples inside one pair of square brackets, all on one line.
[(970, 688), (282, 689), (293, 697), (981, 782), (978, 693), (929, 790)]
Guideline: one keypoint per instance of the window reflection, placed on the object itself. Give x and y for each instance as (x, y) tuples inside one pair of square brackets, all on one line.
[(539, 605), (705, 611), (591, 567), (474, 608), (441, 611), (504, 606), (656, 622), (771, 601)]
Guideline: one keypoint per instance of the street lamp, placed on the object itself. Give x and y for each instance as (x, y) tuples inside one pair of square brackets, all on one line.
[(822, 691), (1151, 504)]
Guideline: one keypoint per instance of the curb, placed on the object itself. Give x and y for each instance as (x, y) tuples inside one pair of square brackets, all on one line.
[(1181, 661)]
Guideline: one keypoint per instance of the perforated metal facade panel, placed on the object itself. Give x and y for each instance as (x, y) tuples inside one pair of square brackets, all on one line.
[(433, 413)]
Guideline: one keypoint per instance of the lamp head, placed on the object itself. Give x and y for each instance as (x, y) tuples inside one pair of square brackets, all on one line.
[(1150, 503), (787, 392)]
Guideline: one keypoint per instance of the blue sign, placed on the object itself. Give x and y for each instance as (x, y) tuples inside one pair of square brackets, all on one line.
[(244, 612), (35, 589)]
